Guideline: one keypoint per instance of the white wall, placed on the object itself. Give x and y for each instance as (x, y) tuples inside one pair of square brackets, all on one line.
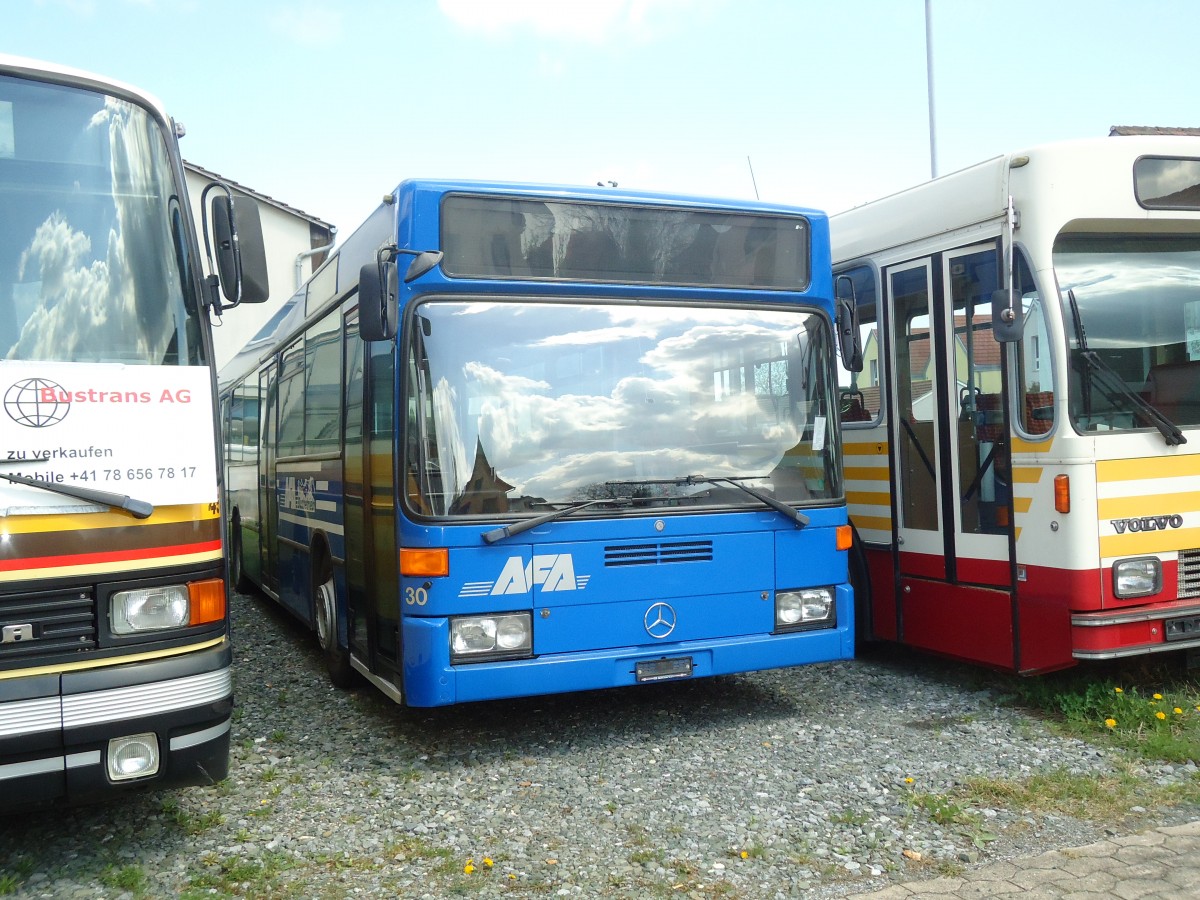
[(285, 234)]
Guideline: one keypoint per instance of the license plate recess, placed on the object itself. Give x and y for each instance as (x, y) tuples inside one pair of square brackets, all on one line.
[(665, 669)]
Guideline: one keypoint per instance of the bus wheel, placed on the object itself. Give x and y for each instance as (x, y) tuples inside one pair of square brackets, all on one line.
[(237, 567), (860, 580), (337, 660)]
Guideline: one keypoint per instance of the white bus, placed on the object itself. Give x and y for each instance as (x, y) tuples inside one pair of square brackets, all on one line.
[(1023, 442), (114, 625)]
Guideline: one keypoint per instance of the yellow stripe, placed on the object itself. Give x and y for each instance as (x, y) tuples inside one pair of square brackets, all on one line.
[(1026, 474), (1022, 446), (1153, 505), (871, 523), (1146, 542), (163, 515), (862, 473), (111, 661), (868, 498), (123, 565), (1022, 504), (867, 448), (1151, 467)]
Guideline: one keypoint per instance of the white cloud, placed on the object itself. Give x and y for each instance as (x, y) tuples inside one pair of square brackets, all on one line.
[(309, 25), (592, 21)]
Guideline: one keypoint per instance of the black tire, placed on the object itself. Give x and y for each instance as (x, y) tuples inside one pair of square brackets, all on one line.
[(860, 580), (324, 599), (237, 568)]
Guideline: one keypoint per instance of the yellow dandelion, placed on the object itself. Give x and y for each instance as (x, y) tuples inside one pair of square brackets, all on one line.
[(487, 861), (1158, 696), (744, 855), (1160, 715), (908, 779), (1119, 690), (1178, 711), (1111, 723), (468, 869)]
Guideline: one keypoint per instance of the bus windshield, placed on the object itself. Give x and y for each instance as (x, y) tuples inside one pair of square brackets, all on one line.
[(518, 406), (1133, 303), (92, 260)]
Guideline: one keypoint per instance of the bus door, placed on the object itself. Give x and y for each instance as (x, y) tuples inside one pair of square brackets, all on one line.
[(267, 500), (952, 470), (370, 502)]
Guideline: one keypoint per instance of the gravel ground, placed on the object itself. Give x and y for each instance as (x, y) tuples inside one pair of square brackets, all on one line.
[(790, 783)]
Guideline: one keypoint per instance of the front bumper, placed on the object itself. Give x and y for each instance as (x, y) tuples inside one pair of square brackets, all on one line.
[(55, 728)]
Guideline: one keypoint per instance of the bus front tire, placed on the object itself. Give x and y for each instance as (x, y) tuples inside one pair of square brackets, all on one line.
[(337, 659), (237, 567)]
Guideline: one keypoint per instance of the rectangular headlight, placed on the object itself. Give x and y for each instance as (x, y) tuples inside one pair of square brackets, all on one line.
[(1137, 577), (135, 756), (497, 636), (149, 609), (805, 608)]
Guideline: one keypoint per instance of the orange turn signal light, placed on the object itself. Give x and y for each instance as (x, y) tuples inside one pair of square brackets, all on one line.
[(206, 601), (417, 562), (1062, 493), (845, 537)]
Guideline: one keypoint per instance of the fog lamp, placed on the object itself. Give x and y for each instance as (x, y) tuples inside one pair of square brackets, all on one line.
[(134, 756)]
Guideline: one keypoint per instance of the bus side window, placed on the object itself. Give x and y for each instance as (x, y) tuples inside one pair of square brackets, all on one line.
[(860, 400), (1035, 377)]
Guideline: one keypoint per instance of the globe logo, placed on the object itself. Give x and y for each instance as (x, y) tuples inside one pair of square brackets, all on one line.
[(34, 403)]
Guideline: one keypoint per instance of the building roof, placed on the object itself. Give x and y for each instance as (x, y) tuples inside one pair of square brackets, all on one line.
[(1120, 130), (260, 197)]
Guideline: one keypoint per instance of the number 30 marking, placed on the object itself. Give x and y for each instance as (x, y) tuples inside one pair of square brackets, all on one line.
[(416, 596)]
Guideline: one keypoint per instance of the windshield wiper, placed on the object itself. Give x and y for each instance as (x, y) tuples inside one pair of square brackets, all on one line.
[(778, 505), (499, 534), (1113, 382), (139, 509)]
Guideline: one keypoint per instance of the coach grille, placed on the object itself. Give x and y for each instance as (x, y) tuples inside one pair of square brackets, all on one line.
[(655, 554), (45, 623), (1189, 573)]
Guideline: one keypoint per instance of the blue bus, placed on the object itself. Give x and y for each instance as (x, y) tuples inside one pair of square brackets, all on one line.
[(515, 439)]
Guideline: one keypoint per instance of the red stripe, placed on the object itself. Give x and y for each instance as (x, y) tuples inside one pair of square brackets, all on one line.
[(86, 559)]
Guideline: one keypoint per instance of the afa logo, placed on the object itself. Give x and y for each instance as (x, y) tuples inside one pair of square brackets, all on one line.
[(549, 572), (36, 403)]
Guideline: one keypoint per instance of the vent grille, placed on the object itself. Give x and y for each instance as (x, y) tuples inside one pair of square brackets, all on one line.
[(657, 554), (1189, 573), (46, 623)]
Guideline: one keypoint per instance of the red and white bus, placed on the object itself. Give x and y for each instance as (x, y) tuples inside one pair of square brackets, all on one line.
[(1023, 443)]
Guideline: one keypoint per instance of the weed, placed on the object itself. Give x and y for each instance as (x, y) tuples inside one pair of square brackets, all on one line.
[(127, 878)]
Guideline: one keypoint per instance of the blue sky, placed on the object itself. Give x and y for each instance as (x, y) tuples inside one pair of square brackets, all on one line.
[(326, 106)]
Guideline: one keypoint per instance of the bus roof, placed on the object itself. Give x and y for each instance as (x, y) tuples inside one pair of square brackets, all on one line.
[(23, 67), (340, 270), (979, 194)]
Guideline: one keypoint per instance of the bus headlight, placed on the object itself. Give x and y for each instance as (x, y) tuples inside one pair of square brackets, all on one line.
[(806, 608), (149, 609), (135, 756), (501, 636), (1137, 577)]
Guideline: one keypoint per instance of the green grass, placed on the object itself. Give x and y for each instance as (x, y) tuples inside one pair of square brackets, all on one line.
[(126, 878), (1150, 710)]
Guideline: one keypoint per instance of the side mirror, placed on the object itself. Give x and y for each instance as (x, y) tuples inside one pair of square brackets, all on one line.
[(241, 254), (422, 263), (1007, 319), (378, 289), (848, 332)]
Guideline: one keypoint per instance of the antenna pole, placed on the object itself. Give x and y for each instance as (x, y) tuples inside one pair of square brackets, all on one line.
[(752, 179), (933, 169)]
